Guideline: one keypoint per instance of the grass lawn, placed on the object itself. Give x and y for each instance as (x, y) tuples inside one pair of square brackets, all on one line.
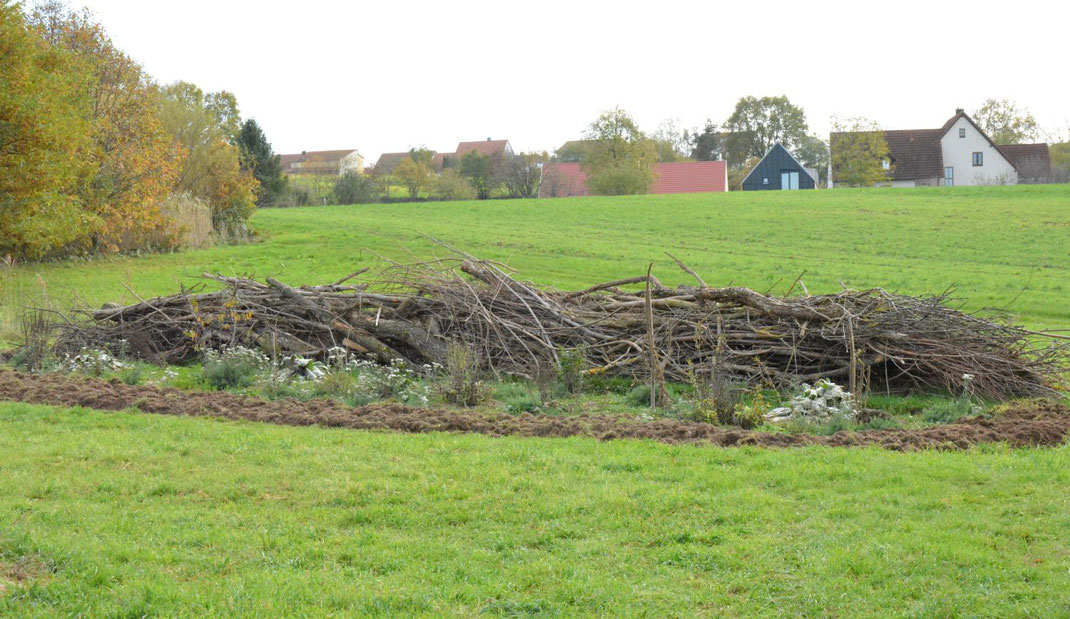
[(1001, 246), (129, 514), (132, 514)]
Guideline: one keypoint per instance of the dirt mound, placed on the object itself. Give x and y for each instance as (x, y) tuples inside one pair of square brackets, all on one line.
[(1034, 423)]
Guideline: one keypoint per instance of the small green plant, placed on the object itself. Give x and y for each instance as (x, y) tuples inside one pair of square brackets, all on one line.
[(233, 368), (751, 413), (338, 385), (570, 365), (131, 375), (36, 334), (517, 397), (716, 397), (464, 385)]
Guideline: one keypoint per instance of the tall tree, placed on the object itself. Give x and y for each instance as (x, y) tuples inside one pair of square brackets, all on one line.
[(522, 173), (416, 171), (1006, 123), (620, 157), (757, 124), (134, 160), (211, 169), (707, 145), (44, 137), (813, 152), (673, 142), (859, 153), (258, 157), (476, 167)]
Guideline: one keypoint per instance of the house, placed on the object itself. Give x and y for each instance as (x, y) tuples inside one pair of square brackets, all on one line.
[(779, 169), (488, 147), (958, 153), (388, 161), (491, 148), (326, 162), (561, 180)]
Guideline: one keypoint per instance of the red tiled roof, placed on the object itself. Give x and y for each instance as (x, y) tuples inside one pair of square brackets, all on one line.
[(387, 162), (690, 177), (1033, 161), (568, 179), (485, 147)]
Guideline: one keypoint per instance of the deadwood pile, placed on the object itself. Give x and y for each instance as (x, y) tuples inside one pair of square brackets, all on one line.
[(862, 338)]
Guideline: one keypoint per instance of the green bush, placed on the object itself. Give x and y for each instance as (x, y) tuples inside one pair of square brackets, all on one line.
[(234, 368), (570, 366), (949, 411), (354, 188), (464, 385)]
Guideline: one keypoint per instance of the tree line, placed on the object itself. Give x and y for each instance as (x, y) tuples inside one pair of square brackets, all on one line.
[(93, 151)]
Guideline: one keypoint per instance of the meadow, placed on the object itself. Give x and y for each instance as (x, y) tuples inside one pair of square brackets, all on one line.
[(1000, 247), (133, 514)]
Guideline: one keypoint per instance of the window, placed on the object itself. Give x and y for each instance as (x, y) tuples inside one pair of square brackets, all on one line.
[(962, 133), (978, 159), (789, 179), (765, 181), (949, 177), (886, 163)]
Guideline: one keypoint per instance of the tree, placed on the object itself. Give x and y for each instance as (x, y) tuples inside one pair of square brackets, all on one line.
[(620, 158), (43, 140), (522, 173), (757, 124), (133, 156), (707, 145), (450, 185), (354, 188), (672, 142), (859, 153), (1006, 123), (813, 152), (1060, 161), (572, 152), (211, 168), (416, 171), (476, 167), (258, 157)]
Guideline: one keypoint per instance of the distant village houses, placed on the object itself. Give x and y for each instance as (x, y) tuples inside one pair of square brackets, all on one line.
[(323, 162), (958, 153), (489, 147)]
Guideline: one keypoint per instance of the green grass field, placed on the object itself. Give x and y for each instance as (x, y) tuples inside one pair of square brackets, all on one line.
[(126, 514), (1001, 246), (130, 514)]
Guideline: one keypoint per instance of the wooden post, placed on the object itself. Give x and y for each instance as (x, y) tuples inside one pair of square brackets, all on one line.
[(650, 341)]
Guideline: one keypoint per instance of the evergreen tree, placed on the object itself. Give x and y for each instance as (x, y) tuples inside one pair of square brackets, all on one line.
[(257, 156)]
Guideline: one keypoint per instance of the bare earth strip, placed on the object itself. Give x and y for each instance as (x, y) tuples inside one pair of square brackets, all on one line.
[(1034, 423)]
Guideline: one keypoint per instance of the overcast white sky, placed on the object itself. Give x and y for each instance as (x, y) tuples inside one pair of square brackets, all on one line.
[(383, 76)]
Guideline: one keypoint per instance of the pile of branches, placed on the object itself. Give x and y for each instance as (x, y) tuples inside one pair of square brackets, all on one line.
[(860, 338)]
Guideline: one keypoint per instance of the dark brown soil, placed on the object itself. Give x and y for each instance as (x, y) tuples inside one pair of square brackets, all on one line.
[(1032, 423)]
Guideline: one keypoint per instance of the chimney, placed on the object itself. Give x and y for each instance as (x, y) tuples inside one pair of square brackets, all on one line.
[(959, 110), (488, 139)]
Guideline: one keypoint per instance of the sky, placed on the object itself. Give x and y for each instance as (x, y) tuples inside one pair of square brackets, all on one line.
[(385, 76)]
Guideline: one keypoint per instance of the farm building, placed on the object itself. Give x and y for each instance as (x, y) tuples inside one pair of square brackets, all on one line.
[(958, 153), (561, 180), (325, 162), (779, 169), (388, 161)]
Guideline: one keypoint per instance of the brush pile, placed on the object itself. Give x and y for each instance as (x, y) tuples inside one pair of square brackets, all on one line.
[(413, 312)]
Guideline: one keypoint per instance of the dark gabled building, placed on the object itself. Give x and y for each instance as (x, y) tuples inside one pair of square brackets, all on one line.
[(779, 170)]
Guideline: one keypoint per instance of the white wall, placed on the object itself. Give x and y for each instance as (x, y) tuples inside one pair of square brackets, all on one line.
[(352, 162), (958, 153)]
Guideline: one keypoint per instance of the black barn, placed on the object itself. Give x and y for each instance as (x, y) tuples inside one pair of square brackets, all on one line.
[(779, 169)]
